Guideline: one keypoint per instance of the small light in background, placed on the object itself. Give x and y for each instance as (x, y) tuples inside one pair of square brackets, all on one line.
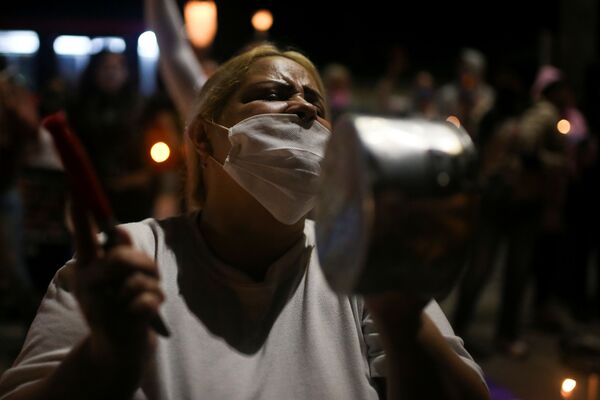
[(69, 45), (148, 53), (563, 126), (262, 20), (201, 22), (453, 120), (19, 42), (111, 43), (73, 54), (567, 387), (160, 152), (147, 45)]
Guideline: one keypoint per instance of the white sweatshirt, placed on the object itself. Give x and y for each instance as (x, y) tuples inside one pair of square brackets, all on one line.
[(289, 337)]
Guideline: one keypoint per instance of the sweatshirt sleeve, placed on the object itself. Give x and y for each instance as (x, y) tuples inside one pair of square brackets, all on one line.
[(59, 325), (376, 354)]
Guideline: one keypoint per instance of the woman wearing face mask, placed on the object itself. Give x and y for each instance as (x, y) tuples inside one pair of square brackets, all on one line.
[(237, 280)]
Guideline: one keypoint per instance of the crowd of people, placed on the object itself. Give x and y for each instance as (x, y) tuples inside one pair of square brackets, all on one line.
[(117, 128), (538, 171)]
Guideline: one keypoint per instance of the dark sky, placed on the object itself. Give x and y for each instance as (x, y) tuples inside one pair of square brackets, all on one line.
[(432, 32)]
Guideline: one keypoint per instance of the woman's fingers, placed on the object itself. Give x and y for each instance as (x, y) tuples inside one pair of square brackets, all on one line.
[(109, 273), (137, 284), (124, 260), (120, 292), (136, 296), (145, 305)]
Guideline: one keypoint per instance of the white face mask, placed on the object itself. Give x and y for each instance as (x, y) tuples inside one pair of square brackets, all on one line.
[(277, 159)]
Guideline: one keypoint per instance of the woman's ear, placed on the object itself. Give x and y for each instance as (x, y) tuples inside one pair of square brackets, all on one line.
[(198, 136)]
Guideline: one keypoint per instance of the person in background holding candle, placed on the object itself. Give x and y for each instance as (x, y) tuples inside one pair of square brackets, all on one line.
[(105, 114)]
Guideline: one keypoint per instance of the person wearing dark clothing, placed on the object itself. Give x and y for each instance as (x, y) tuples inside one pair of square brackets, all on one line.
[(18, 136), (104, 113), (507, 215)]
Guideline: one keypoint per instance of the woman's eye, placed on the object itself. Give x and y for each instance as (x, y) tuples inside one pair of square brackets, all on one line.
[(271, 96)]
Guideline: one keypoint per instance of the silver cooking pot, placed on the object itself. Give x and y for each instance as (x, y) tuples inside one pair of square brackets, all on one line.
[(397, 205)]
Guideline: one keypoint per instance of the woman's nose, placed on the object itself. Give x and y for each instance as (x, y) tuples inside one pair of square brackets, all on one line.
[(302, 108)]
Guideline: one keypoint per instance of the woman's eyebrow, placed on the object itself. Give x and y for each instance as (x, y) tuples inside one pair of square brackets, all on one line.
[(282, 83), (278, 85), (269, 82), (307, 89)]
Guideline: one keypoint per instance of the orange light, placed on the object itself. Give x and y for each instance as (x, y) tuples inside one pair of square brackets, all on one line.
[(262, 20), (201, 22), (453, 120), (563, 126), (567, 387), (160, 152)]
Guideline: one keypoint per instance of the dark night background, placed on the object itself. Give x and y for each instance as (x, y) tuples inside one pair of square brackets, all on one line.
[(516, 36), (357, 34)]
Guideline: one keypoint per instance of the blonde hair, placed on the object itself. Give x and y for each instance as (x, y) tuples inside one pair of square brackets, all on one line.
[(213, 98)]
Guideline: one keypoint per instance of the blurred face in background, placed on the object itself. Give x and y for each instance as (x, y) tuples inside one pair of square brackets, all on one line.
[(112, 73)]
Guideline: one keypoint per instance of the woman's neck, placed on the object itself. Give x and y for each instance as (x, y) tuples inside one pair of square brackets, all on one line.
[(250, 244)]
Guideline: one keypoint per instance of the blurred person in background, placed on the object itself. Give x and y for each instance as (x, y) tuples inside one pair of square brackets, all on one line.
[(582, 217), (393, 90), (161, 123), (591, 175), (505, 217), (546, 160), (337, 79), (105, 114), (423, 104), (581, 231), (18, 138), (469, 97), (53, 96)]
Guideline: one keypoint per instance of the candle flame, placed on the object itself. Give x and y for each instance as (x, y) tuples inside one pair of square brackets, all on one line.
[(563, 126), (567, 387), (160, 152)]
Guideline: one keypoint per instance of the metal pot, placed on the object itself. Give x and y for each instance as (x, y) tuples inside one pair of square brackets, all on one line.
[(397, 204)]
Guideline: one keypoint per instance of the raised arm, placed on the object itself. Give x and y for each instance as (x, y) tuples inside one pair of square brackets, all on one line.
[(420, 363), (179, 66)]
